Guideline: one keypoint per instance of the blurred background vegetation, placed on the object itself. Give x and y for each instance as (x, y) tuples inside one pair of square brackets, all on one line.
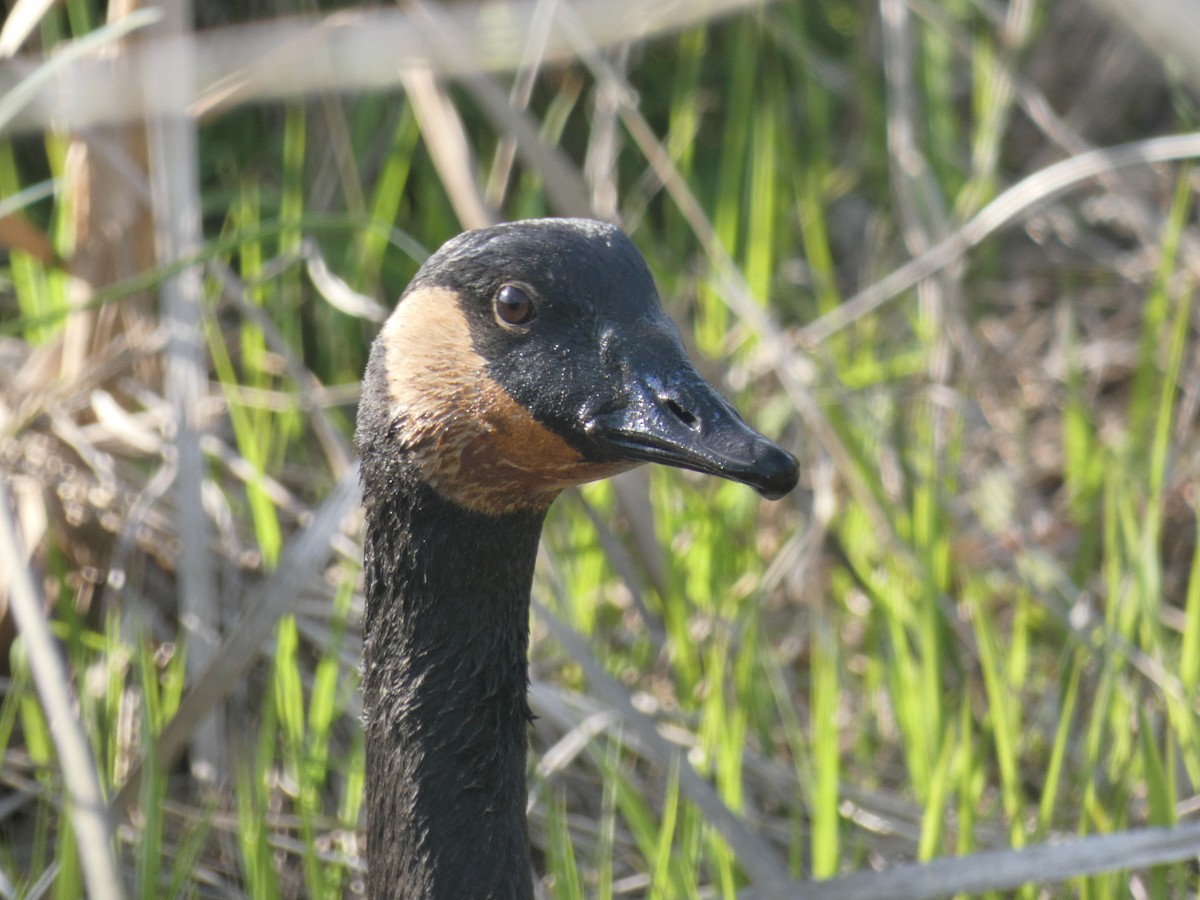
[(976, 627)]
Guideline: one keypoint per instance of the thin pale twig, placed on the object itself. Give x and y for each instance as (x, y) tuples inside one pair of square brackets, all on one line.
[(24, 90), (446, 138), (920, 205), (24, 16), (175, 191), (362, 49), (1025, 195), (1000, 870), (564, 186), (518, 98), (1169, 28), (94, 837)]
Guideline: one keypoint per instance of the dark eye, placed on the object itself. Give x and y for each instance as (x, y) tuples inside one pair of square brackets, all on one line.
[(513, 306)]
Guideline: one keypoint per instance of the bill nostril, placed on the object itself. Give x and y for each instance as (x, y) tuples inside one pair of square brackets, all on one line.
[(683, 415)]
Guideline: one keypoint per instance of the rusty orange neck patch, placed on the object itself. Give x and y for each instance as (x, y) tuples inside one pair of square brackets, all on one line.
[(470, 440)]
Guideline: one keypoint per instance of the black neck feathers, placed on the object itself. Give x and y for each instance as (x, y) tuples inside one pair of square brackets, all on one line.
[(444, 682)]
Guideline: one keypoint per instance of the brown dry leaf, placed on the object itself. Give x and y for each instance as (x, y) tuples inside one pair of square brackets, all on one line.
[(18, 233)]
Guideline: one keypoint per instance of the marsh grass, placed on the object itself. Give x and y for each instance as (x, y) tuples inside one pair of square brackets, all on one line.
[(976, 627)]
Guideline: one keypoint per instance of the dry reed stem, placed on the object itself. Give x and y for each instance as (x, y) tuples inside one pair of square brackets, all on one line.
[(174, 162), (564, 186), (290, 57), (1019, 200), (1169, 28), (78, 767), (999, 870)]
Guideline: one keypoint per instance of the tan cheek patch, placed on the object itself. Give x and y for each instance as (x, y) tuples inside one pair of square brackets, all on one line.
[(474, 444)]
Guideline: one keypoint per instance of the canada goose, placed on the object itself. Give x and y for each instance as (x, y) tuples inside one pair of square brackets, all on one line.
[(522, 359)]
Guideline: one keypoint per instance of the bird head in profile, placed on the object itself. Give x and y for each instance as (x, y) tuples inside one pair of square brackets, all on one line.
[(528, 357)]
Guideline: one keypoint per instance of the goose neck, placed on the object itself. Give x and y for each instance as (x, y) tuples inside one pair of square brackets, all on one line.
[(445, 677)]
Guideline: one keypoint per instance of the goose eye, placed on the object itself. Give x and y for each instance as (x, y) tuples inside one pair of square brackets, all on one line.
[(513, 306)]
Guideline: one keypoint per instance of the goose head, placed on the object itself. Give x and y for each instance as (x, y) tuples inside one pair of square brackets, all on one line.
[(528, 357)]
